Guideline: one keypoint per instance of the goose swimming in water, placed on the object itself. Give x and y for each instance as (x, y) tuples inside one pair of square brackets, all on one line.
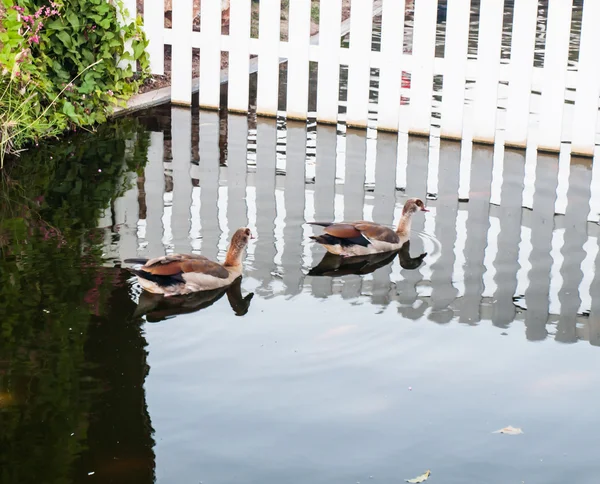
[(361, 238)]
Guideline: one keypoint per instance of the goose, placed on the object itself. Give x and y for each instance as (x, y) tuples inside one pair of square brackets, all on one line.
[(177, 274), (349, 239)]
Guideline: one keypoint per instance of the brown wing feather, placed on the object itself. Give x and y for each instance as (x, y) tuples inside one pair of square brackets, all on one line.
[(177, 264), (378, 232), (343, 231), (205, 266)]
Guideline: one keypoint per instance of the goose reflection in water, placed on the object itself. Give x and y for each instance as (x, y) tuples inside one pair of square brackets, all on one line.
[(335, 265), (157, 308)]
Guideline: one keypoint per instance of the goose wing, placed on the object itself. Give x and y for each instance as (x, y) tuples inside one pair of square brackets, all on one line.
[(177, 265)]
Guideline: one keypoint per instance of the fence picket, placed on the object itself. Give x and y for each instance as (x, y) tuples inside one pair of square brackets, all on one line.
[(390, 72), (588, 82), (423, 54), (455, 58), (181, 53), (359, 65), (210, 55), (154, 22), (554, 75), (297, 74), (330, 18), (268, 58), (239, 56), (488, 67), (520, 73)]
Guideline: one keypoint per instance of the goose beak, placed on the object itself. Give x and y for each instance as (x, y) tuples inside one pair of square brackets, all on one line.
[(424, 209), (252, 236)]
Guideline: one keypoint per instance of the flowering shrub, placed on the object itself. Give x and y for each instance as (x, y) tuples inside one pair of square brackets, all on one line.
[(59, 66)]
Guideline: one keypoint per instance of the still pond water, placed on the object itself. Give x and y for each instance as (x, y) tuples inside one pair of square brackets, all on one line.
[(373, 375)]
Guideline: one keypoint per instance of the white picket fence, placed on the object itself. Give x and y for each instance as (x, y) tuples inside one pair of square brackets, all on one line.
[(539, 113)]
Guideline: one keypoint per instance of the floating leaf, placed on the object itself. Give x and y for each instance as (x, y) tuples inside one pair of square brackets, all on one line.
[(510, 430), (421, 478)]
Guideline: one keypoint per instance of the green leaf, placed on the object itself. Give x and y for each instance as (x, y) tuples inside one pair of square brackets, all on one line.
[(65, 38), (69, 110)]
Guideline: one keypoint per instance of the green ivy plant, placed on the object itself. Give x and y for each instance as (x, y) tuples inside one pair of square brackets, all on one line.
[(59, 65), (85, 32)]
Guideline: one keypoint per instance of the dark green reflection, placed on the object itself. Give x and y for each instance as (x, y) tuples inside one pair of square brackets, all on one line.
[(72, 361)]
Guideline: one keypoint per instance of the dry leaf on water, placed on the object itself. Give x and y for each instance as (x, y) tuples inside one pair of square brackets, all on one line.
[(510, 430), (421, 478)]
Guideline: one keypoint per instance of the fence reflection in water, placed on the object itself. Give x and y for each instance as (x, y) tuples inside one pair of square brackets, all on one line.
[(494, 262)]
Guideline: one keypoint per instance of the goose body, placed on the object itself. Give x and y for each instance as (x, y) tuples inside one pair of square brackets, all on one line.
[(361, 238), (177, 274)]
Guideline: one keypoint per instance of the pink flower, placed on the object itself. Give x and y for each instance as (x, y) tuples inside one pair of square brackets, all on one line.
[(35, 39), (110, 93), (26, 18)]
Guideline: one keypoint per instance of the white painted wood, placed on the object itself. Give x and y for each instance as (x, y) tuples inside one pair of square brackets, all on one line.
[(210, 55), (520, 72), (588, 82), (154, 21), (455, 54), (297, 74), (239, 37), (488, 64), (390, 73), (421, 87), (181, 129), (359, 66), (267, 96), (181, 53), (555, 65), (330, 18)]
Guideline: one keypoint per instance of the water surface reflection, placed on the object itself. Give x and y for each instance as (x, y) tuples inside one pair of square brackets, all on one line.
[(301, 370)]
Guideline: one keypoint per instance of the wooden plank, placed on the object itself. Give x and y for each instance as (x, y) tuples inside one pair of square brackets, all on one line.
[(267, 97), (330, 17), (154, 22), (421, 88), (390, 73), (181, 53), (297, 74), (455, 54), (359, 66), (520, 73), (488, 65), (588, 82), (554, 75), (210, 55), (239, 37)]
